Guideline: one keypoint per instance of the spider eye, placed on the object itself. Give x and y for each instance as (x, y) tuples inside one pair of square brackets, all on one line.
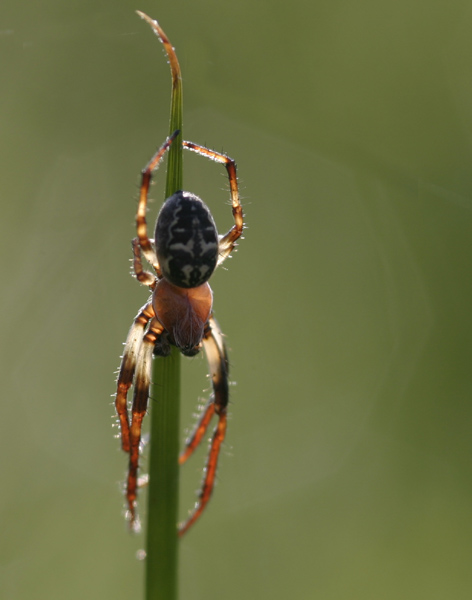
[(186, 240)]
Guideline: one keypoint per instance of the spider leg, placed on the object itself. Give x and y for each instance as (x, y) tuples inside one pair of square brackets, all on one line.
[(227, 241), (144, 277), (141, 226), (127, 369), (194, 439), (218, 363), (142, 381)]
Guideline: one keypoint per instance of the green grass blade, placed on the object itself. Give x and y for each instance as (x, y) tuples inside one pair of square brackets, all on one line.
[(163, 491), (161, 539)]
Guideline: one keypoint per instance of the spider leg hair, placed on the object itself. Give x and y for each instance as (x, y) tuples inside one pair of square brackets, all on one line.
[(218, 363), (227, 241), (141, 225), (127, 369), (142, 382)]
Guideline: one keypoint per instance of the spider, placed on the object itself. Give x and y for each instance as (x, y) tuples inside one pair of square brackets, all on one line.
[(184, 253)]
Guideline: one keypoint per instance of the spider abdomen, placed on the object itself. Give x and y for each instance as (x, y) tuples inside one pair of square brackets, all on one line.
[(186, 240)]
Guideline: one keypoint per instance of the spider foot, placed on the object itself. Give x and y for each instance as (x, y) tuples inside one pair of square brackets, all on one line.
[(133, 520)]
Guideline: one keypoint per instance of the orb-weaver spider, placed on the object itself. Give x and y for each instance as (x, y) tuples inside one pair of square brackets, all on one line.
[(184, 254)]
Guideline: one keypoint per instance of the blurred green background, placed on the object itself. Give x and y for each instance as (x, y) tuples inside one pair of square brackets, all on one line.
[(347, 470)]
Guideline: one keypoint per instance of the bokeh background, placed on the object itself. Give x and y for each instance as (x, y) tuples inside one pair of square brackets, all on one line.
[(347, 471)]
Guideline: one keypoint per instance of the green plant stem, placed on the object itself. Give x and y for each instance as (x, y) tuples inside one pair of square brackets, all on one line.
[(162, 540), (163, 491)]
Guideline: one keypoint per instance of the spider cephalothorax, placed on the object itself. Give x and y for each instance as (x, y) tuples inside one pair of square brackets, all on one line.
[(184, 254)]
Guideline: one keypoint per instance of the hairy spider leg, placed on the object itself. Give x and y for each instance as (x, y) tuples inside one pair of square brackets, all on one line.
[(127, 369), (227, 241), (141, 225), (218, 363), (144, 277), (194, 439), (132, 345), (142, 382)]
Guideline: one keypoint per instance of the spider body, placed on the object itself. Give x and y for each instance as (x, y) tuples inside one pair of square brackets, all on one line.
[(184, 254), (186, 240), (183, 312)]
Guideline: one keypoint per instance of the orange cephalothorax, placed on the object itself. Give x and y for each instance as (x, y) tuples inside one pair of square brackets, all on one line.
[(183, 312)]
